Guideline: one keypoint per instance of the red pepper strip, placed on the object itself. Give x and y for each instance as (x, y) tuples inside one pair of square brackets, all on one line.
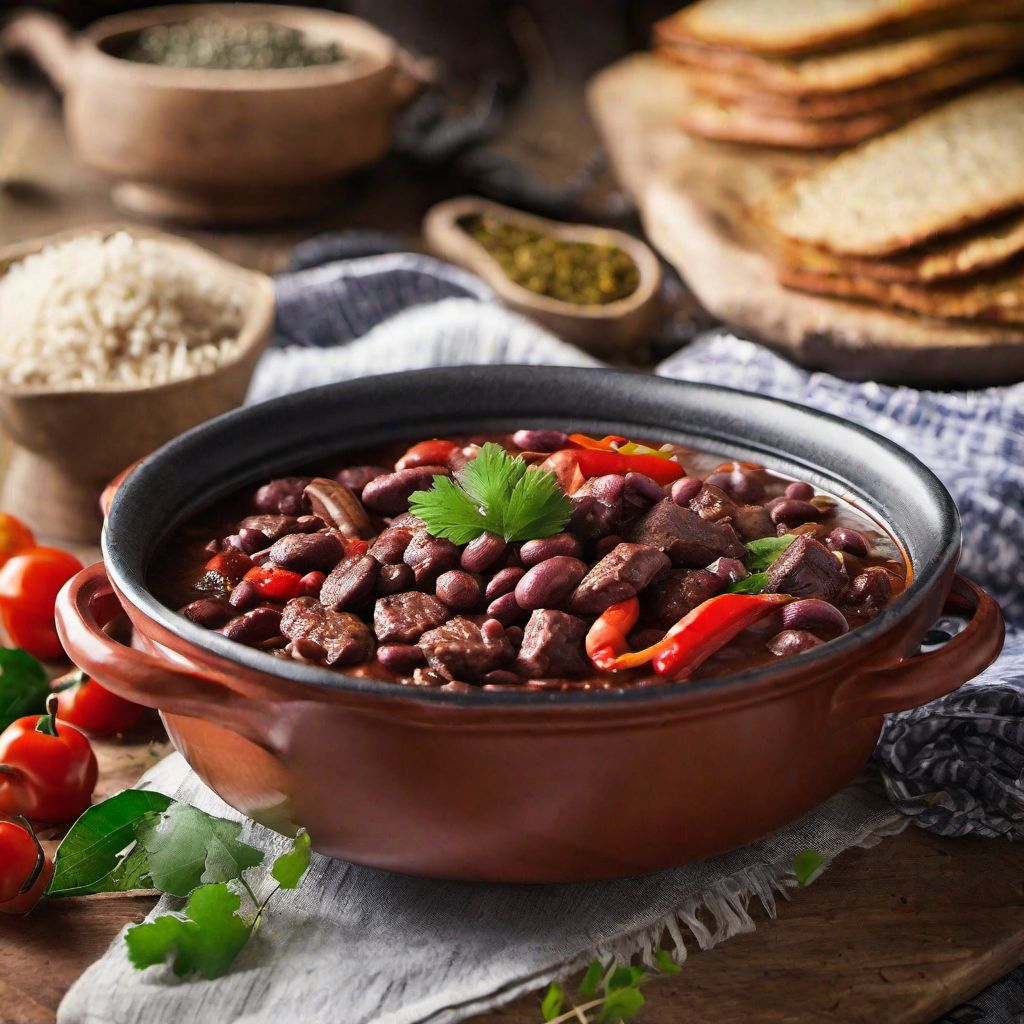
[(708, 628), (275, 584), (598, 463), (355, 546), (605, 444), (606, 640)]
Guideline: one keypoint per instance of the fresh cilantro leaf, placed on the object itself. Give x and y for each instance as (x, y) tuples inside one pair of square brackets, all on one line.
[(752, 584), (206, 938), (621, 1005), (666, 963), (24, 685), (762, 552), (806, 866), (588, 986), (289, 868), (187, 848), (93, 856), (554, 999), (494, 493), (624, 976)]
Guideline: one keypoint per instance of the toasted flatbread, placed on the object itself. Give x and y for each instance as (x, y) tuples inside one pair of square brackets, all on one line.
[(957, 256), (797, 26), (859, 67), (993, 298), (924, 85), (955, 166)]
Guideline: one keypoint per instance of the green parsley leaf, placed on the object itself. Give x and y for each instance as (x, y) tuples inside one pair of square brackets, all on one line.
[(806, 866), (205, 939), (24, 685), (188, 848), (752, 584), (98, 854), (554, 999), (595, 972), (289, 868), (621, 1005), (762, 552), (494, 493), (666, 963)]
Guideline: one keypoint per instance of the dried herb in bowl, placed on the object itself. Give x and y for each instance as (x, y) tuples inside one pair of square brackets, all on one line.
[(583, 273)]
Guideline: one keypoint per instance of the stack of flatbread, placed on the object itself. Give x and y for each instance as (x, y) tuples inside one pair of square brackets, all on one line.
[(928, 218), (823, 74)]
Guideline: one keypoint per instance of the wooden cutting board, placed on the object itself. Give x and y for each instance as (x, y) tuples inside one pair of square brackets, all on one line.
[(693, 197)]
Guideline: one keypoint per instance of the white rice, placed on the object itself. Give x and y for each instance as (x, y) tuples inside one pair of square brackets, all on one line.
[(117, 311)]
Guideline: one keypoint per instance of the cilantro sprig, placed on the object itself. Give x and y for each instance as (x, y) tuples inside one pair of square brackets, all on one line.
[(494, 493)]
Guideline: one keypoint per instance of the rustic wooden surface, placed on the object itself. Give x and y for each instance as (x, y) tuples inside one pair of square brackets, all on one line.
[(897, 934), (694, 199)]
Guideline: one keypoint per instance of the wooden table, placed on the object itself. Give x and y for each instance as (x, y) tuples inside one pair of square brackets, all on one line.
[(899, 933)]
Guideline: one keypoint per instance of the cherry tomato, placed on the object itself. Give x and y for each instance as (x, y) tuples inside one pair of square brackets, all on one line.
[(275, 584), (83, 703), (231, 564), (47, 768), (15, 536), (29, 584), (427, 453), (25, 870)]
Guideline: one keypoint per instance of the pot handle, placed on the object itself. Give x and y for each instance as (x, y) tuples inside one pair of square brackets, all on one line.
[(914, 681), (47, 40), (86, 604)]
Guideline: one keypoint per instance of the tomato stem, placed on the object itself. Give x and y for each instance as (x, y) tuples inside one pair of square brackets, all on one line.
[(48, 722)]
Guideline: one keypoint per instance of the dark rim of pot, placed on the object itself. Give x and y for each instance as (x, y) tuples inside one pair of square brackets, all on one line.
[(250, 444)]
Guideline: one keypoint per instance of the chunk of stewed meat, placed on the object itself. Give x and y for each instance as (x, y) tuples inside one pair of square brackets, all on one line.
[(344, 638), (552, 646), (459, 650), (283, 497), (308, 552), (684, 536), (621, 574), (350, 584), (665, 602), (597, 506), (429, 556), (274, 527), (807, 569), (388, 495), (752, 522), (404, 618), (713, 504)]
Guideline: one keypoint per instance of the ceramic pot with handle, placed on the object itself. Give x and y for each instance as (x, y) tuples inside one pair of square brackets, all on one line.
[(526, 787)]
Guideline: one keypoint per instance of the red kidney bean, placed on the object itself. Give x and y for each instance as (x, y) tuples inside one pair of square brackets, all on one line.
[(844, 539), (388, 495), (308, 552), (815, 616), (685, 488), (251, 541), (492, 629), (540, 440), (535, 551), (792, 641), (312, 582), (482, 553), (606, 544), (245, 595), (514, 635), (210, 612), (390, 545), (729, 569), (501, 677), (357, 477), (504, 581), (393, 579), (350, 583), (506, 610), (800, 491), (740, 486), (284, 497), (252, 627), (643, 486), (460, 456), (304, 649), (793, 511), (549, 583), (871, 589), (459, 590), (400, 658)]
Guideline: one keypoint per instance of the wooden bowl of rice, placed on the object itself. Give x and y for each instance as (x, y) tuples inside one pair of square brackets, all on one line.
[(113, 340)]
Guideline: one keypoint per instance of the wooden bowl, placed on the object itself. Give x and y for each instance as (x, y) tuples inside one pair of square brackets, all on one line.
[(607, 330), (202, 145), (70, 442)]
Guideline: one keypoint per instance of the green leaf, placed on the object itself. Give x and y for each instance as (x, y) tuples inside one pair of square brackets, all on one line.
[(595, 972), (752, 584), (188, 848), (554, 999), (623, 977), (24, 685), (289, 868), (537, 507), (621, 1005), (449, 512), (806, 866), (761, 553), (666, 962), (492, 475), (92, 857), (205, 939)]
